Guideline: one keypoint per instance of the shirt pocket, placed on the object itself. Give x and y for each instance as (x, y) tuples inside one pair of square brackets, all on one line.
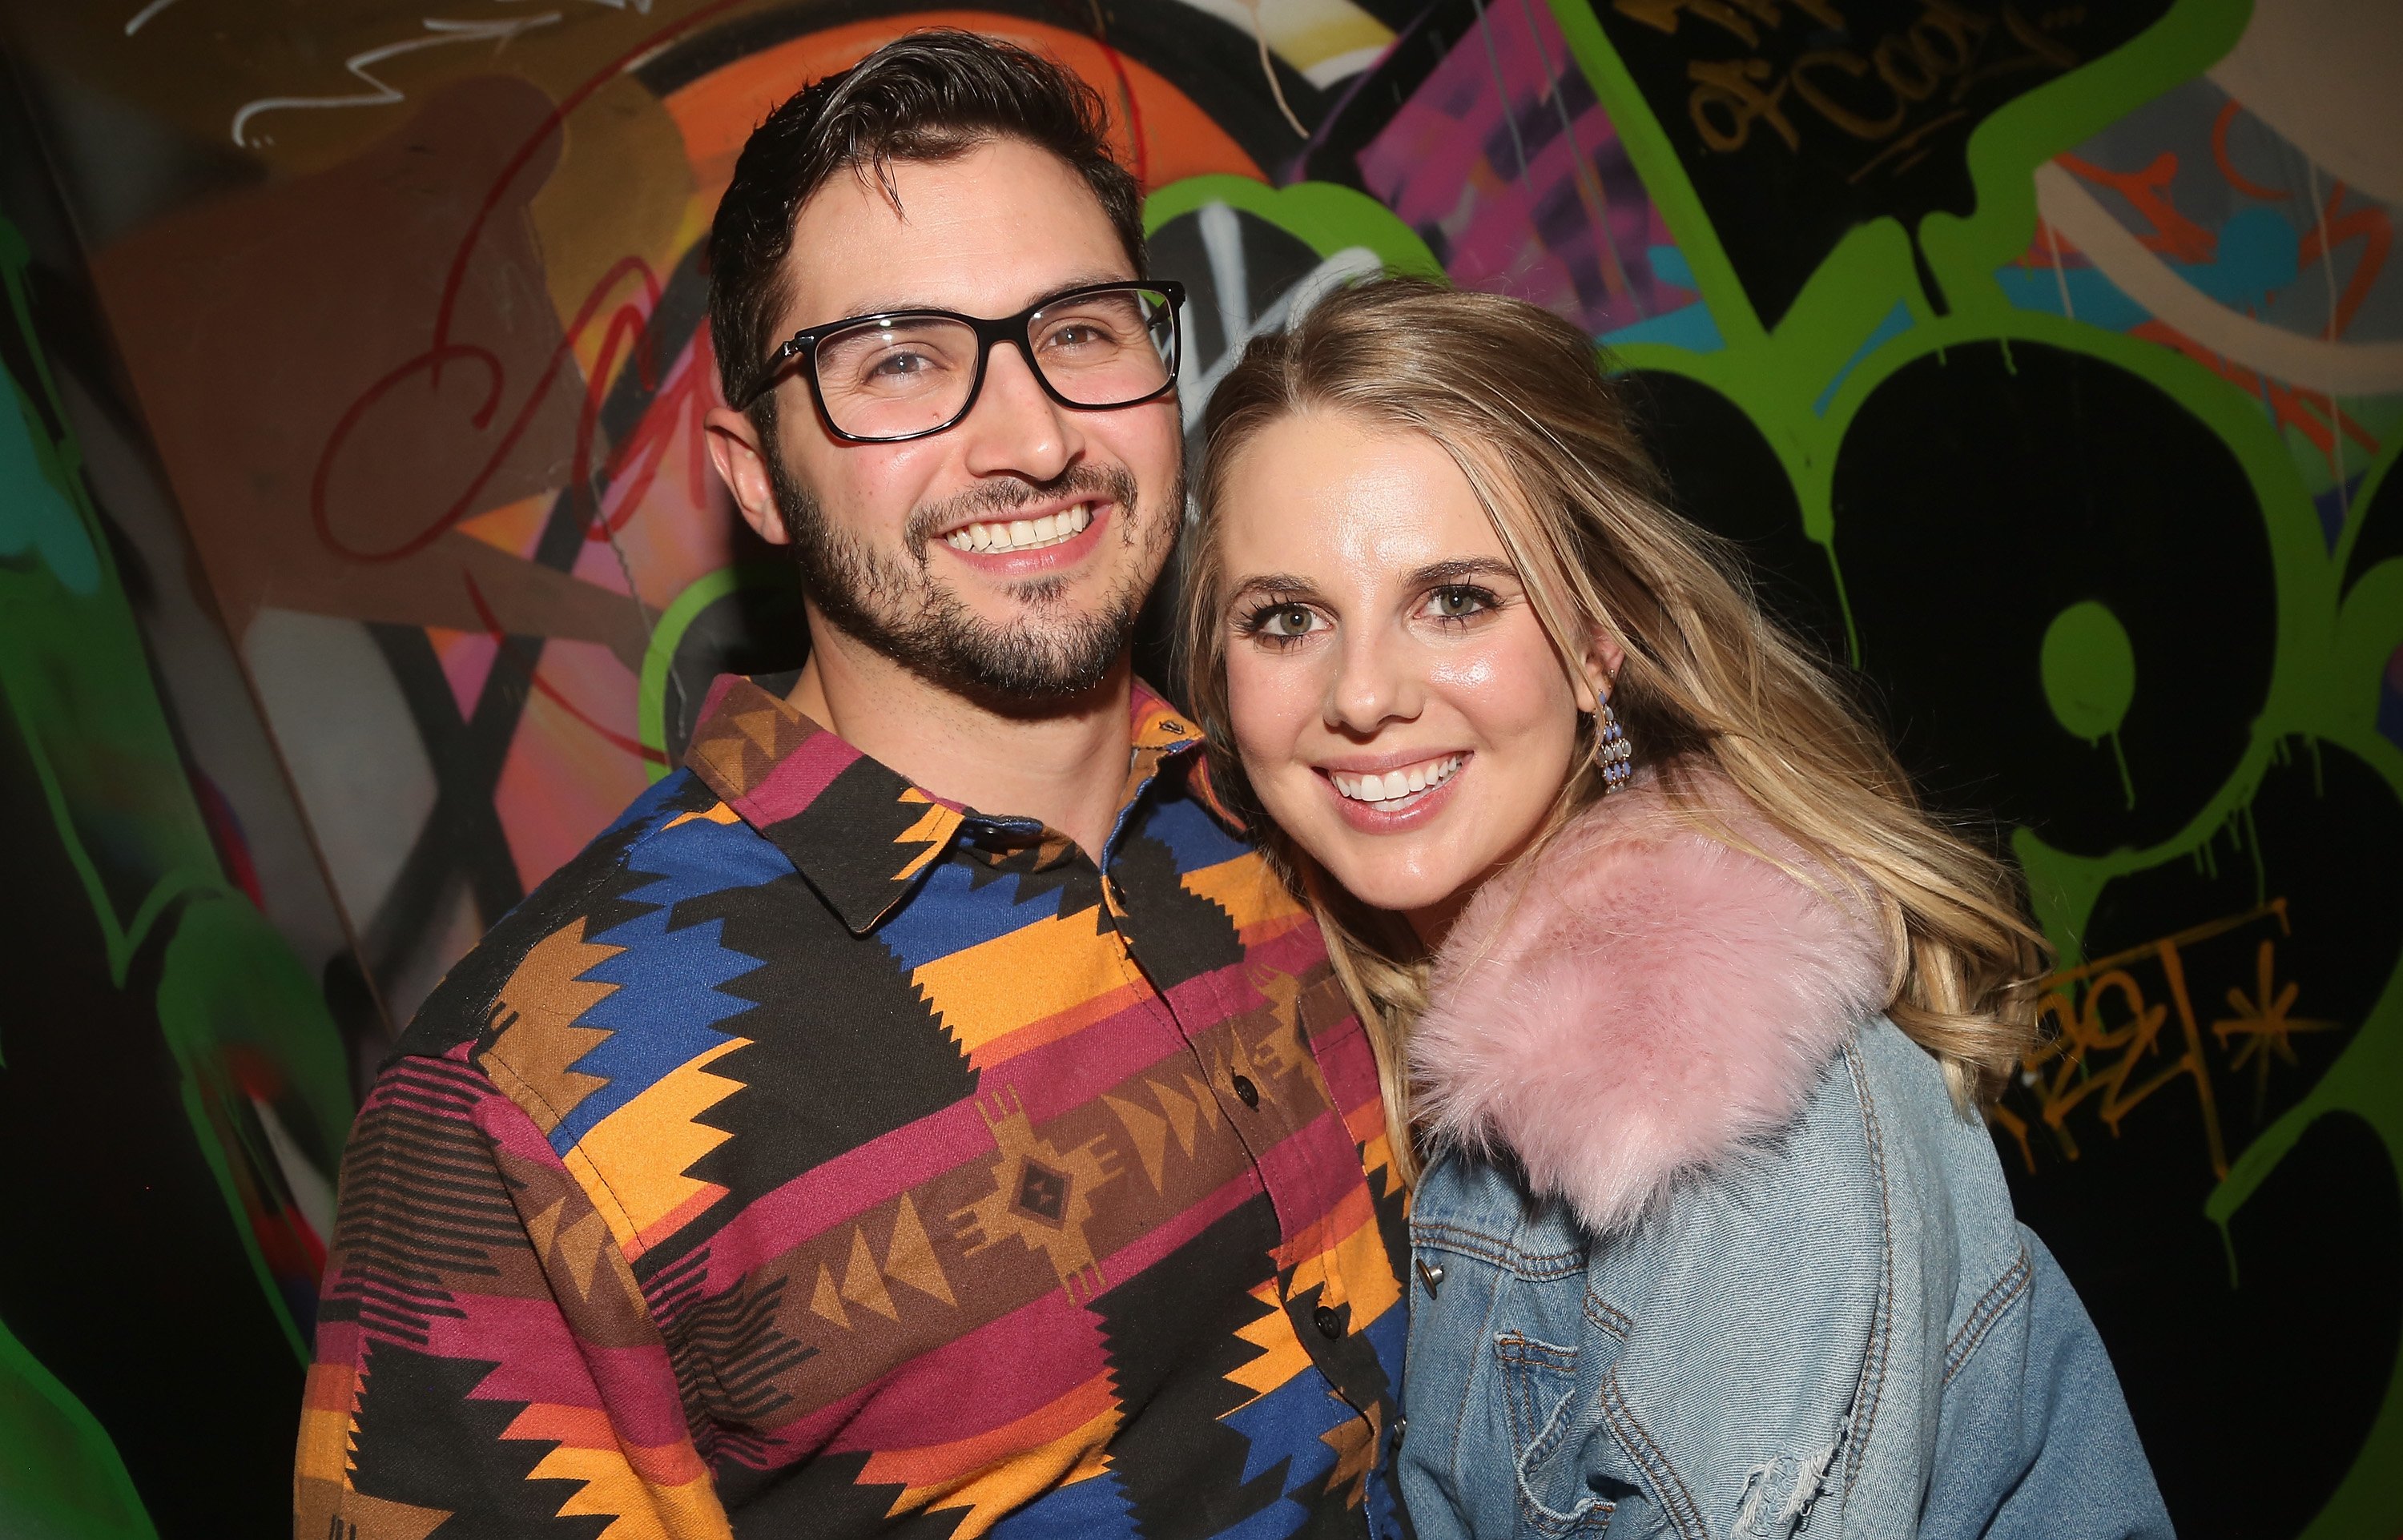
[(1538, 1384)]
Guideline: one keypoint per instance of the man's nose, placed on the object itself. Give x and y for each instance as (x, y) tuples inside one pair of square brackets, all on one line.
[(1015, 427)]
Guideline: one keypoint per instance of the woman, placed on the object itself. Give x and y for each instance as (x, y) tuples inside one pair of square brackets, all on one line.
[(1689, 1009)]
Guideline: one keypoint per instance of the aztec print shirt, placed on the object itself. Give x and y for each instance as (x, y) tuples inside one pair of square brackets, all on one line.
[(814, 1157)]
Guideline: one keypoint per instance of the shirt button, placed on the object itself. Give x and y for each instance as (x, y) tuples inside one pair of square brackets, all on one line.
[(1249, 1092), (1329, 1321), (1401, 1430)]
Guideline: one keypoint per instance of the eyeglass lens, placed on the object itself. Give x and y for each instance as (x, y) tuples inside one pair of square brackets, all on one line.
[(896, 376)]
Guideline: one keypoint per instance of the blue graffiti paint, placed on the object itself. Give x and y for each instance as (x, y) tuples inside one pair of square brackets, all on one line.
[(1688, 327), (2092, 298), (2258, 253), (1897, 322), (34, 517)]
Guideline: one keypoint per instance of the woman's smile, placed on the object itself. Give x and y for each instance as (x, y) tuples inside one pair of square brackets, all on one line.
[(1394, 787), (1396, 800)]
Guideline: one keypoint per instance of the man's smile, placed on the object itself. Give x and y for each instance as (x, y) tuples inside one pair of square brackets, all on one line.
[(1035, 531)]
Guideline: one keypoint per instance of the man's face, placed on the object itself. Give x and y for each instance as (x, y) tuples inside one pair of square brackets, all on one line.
[(986, 234)]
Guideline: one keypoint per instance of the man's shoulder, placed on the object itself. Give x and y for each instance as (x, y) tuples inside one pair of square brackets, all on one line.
[(677, 841)]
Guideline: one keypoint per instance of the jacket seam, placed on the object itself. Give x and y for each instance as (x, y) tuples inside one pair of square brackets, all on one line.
[(1500, 1253), (1990, 1308), (1460, 1423), (1607, 1317), (1530, 1446), (1538, 1440), (1518, 1348), (1864, 1417), (1676, 1500), (1518, 1400)]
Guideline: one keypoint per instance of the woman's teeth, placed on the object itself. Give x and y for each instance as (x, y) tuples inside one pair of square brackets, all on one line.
[(1023, 534), (1395, 785)]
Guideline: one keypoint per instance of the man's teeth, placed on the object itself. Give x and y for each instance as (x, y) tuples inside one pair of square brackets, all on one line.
[(1395, 785), (1023, 534)]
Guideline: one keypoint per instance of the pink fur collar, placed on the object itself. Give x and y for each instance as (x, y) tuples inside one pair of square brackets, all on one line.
[(1649, 1002)]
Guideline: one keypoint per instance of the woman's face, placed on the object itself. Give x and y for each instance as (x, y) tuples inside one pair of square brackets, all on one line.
[(1401, 711)]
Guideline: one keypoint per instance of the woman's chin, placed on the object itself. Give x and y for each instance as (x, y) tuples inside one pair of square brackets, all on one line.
[(1409, 890), (1418, 862)]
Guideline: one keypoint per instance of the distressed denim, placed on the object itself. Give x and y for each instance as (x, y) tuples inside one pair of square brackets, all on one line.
[(1845, 1331)]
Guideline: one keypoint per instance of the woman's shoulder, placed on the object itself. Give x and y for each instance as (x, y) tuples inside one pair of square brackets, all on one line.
[(1878, 1199), (1879, 1165), (1640, 1006), (1939, 1169), (1800, 1211)]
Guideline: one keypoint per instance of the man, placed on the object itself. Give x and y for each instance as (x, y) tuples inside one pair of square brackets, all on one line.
[(916, 1115)]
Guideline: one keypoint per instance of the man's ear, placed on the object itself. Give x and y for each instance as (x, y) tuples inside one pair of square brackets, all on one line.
[(735, 449), (1596, 670)]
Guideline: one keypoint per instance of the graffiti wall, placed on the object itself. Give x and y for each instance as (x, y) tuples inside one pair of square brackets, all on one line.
[(173, 1087), (2049, 358)]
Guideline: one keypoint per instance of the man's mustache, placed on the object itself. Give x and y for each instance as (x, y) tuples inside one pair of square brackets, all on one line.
[(994, 500)]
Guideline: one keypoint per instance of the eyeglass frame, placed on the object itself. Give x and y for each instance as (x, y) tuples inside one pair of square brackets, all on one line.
[(989, 334)]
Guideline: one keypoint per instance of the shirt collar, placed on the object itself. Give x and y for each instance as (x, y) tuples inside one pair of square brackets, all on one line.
[(857, 830)]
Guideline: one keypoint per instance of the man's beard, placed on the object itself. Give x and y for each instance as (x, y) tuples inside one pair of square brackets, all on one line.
[(894, 604)]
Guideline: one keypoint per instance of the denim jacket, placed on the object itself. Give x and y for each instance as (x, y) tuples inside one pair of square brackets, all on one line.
[(1707, 1250)]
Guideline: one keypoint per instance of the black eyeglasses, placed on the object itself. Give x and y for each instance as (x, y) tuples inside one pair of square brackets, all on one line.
[(905, 374)]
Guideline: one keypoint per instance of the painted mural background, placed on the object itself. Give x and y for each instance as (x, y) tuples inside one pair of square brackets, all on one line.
[(359, 559)]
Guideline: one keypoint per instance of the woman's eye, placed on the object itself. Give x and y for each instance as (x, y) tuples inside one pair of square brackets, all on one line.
[(1281, 622), (1458, 602)]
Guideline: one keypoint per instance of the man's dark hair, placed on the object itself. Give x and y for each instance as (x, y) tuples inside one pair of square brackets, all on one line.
[(930, 96)]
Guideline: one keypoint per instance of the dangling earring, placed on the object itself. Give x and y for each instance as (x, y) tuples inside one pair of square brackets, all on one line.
[(1610, 746)]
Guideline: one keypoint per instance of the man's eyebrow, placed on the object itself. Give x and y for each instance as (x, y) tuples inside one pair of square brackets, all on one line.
[(891, 304)]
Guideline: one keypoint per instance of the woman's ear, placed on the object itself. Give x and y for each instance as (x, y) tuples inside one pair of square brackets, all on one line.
[(1596, 670)]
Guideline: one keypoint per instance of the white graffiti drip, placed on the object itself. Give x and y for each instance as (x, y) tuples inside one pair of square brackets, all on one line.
[(141, 18), (442, 32), (1222, 240)]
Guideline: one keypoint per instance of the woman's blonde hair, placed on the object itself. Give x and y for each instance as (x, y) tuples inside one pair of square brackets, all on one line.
[(1515, 396)]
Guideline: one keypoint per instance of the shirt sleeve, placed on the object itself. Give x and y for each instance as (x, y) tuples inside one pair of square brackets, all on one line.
[(483, 1351)]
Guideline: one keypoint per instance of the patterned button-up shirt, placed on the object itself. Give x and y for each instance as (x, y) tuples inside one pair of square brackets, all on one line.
[(813, 1156)]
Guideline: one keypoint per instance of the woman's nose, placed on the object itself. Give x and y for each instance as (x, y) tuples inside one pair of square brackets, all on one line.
[(1374, 683)]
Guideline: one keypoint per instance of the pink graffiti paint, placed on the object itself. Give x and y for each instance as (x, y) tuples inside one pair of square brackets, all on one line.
[(1572, 227)]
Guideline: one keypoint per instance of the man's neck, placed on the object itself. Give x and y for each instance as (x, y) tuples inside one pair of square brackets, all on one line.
[(1066, 767)]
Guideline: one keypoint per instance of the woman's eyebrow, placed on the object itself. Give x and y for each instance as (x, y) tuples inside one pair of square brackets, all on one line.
[(1435, 573), (1270, 582)]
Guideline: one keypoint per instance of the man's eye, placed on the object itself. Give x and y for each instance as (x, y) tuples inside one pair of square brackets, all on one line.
[(901, 365)]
